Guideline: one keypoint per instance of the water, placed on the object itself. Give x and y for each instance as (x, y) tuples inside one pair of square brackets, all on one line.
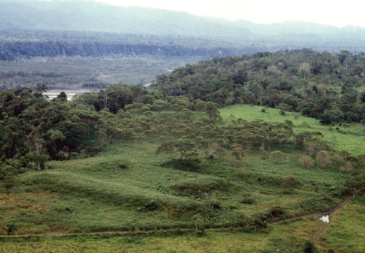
[(70, 93)]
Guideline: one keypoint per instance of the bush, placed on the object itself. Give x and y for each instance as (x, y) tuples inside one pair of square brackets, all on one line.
[(288, 182), (10, 228), (9, 181), (244, 220), (276, 211), (289, 122), (338, 160), (248, 201), (277, 156), (309, 247), (199, 224), (305, 161), (323, 159), (346, 167)]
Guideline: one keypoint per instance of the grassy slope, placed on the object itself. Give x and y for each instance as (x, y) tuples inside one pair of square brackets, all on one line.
[(281, 238), (74, 193), (346, 231), (350, 138), (97, 193)]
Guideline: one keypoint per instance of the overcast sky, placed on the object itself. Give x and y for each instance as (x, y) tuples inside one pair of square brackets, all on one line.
[(336, 12)]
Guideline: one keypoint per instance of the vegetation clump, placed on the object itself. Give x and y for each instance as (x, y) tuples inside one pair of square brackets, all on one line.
[(305, 161)]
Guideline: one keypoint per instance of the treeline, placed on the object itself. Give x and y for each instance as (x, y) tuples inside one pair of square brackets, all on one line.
[(12, 50), (329, 87)]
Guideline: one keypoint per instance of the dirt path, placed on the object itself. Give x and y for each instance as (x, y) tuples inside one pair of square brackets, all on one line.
[(325, 213), (149, 231), (319, 232)]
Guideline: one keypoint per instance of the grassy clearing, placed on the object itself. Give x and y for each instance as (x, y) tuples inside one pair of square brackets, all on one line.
[(350, 138), (346, 232), (125, 187)]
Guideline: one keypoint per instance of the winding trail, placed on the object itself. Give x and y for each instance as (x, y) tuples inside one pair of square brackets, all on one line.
[(325, 213), (187, 229)]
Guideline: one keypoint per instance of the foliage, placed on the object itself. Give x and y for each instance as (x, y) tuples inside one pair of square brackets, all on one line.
[(309, 247), (10, 228), (327, 91), (323, 158), (305, 161)]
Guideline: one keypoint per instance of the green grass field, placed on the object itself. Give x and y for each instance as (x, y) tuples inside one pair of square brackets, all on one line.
[(273, 239), (128, 187), (350, 138), (100, 194), (346, 232)]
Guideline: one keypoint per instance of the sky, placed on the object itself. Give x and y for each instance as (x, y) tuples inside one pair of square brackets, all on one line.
[(329, 12)]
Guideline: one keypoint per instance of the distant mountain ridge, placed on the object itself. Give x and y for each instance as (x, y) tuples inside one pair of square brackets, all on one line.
[(97, 17), (93, 16)]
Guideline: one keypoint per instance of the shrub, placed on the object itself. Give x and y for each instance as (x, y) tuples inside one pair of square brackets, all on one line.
[(323, 158), (361, 159), (276, 211), (346, 167), (309, 247), (10, 228), (277, 156), (244, 220), (305, 161), (199, 224), (289, 122), (338, 160), (9, 181), (288, 182), (248, 201)]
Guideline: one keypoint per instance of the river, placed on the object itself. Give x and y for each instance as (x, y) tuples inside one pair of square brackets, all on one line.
[(70, 93)]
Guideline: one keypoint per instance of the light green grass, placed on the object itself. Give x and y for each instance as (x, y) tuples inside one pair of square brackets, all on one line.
[(346, 232), (101, 194), (282, 237), (350, 138)]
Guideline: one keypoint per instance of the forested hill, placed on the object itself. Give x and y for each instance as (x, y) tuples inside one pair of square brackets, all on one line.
[(320, 85)]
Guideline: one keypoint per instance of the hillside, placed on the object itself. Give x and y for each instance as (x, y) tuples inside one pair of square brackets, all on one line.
[(127, 187), (247, 151), (329, 87)]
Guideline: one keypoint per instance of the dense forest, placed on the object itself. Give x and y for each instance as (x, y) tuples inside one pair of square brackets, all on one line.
[(326, 86)]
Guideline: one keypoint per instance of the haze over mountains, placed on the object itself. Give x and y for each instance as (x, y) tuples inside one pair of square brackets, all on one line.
[(98, 17)]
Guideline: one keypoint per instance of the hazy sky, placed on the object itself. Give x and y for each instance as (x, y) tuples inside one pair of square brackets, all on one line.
[(335, 12)]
